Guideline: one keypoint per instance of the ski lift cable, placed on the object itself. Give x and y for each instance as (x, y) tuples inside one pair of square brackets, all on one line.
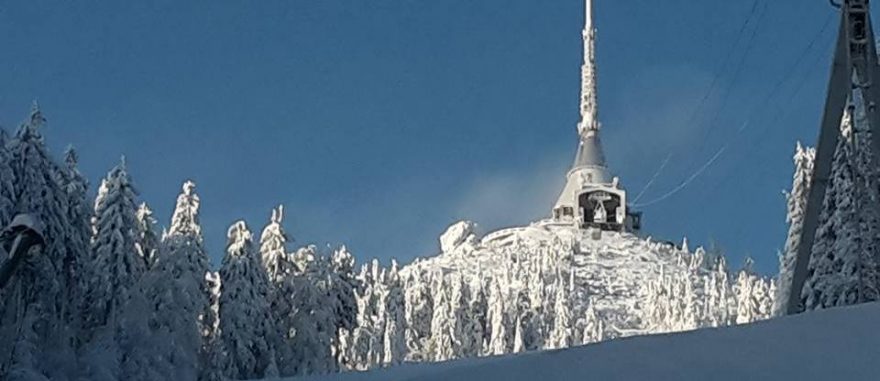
[(698, 172), (686, 182), (712, 87), (734, 80), (653, 178), (744, 126)]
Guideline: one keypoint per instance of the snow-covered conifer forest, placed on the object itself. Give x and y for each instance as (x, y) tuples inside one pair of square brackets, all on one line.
[(115, 295)]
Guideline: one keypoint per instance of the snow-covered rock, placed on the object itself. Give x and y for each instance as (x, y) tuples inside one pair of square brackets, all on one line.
[(457, 234)]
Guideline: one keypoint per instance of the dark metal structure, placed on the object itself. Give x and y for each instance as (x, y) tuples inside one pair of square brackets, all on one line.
[(17, 239), (855, 66)]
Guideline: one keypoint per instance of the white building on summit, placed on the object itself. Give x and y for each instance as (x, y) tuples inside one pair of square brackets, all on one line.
[(592, 197)]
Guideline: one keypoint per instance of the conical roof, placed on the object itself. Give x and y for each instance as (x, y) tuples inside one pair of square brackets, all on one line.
[(589, 152)]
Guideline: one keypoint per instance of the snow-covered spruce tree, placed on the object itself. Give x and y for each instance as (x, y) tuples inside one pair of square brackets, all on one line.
[(541, 304), (33, 326), (499, 341), (443, 335), (764, 291), (313, 321), (561, 336), (364, 351), (24, 363), (178, 294), (656, 296), (78, 234), (245, 322), (718, 294), (138, 346), (7, 181), (273, 248), (796, 201), (419, 310), (146, 240), (378, 276), (864, 272), (394, 339), (116, 267), (527, 318), (594, 329), (279, 268), (212, 356), (343, 285), (459, 298), (692, 303), (841, 271), (748, 288), (475, 323), (519, 345)]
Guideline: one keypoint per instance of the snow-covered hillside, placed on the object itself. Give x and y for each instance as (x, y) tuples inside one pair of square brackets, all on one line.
[(544, 286), (618, 274), (839, 344)]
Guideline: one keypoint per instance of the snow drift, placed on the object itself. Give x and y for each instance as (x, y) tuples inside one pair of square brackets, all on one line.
[(839, 344)]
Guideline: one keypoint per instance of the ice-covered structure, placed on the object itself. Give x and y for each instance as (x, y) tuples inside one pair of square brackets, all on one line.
[(592, 197)]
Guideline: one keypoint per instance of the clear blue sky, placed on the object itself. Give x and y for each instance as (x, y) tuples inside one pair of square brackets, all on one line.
[(378, 123)]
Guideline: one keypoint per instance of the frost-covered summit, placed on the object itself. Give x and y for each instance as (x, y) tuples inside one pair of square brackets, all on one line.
[(543, 286), (635, 285)]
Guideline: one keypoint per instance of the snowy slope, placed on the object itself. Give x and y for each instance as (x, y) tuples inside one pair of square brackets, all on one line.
[(840, 344), (544, 286), (613, 272)]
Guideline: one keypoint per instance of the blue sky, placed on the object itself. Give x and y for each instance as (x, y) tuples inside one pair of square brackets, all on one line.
[(378, 123)]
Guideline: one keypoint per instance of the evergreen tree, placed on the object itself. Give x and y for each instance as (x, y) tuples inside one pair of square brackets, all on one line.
[(499, 343), (519, 345), (342, 285), (419, 311), (561, 336), (138, 345), (146, 241), (475, 322), (115, 304), (273, 248), (841, 270), (77, 237), (245, 323), (862, 273), (718, 296), (748, 306), (594, 329), (212, 356), (655, 311), (442, 323), (279, 268), (314, 323), (178, 294), (460, 296), (33, 317), (796, 201), (366, 338), (7, 182), (692, 303), (394, 340), (117, 267), (764, 292), (527, 318)]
